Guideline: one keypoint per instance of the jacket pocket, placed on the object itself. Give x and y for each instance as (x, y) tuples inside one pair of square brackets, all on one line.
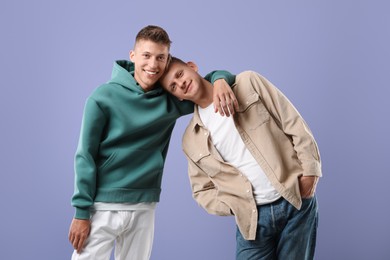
[(253, 111), (207, 163)]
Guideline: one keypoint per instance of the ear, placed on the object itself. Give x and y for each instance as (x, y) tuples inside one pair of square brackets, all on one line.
[(192, 65), (131, 55)]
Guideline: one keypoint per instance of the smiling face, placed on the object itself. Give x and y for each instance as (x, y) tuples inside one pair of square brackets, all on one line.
[(182, 80), (150, 60)]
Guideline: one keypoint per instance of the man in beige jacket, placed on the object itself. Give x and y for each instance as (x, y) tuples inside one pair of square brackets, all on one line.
[(262, 165)]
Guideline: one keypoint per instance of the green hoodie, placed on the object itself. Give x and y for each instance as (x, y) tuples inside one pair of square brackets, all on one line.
[(124, 140)]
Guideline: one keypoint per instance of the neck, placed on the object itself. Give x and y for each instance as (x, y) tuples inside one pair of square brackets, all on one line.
[(206, 97), (145, 89)]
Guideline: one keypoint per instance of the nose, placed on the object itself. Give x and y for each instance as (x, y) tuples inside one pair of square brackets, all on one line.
[(153, 63), (182, 84)]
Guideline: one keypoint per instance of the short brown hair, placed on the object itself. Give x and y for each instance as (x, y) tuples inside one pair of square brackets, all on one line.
[(176, 59), (155, 34), (171, 60)]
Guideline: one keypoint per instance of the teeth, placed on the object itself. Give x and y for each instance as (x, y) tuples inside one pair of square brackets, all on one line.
[(151, 72)]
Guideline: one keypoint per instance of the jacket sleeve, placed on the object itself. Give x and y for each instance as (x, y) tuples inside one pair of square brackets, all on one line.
[(205, 192), (291, 122), (92, 127)]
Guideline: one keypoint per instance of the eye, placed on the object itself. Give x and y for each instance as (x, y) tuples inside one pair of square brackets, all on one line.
[(146, 55), (173, 87), (179, 74), (161, 58)]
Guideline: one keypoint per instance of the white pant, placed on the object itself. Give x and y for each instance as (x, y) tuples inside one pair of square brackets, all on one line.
[(133, 232)]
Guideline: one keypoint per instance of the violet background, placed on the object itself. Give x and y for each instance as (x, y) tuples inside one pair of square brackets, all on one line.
[(331, 58)]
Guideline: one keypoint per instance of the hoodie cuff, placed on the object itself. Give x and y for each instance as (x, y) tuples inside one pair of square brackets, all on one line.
[(82, 213)]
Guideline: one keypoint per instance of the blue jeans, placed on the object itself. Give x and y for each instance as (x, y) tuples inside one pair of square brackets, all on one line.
[(283, 232)]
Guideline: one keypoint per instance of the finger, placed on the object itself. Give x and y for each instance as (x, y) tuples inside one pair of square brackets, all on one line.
[(234, 101), (225, 108), (230, 106), (224, 100), (218, 108), (75, 244), (80, 245), (70, 237), (216, 103), (73, 240)]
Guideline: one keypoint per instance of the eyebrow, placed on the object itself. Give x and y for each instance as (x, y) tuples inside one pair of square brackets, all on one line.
[(158, 55)]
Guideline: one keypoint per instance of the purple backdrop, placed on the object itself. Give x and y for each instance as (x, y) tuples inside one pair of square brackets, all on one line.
[(331, 58)]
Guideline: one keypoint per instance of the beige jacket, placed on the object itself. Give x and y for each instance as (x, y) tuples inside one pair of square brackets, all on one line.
[(275, 134)]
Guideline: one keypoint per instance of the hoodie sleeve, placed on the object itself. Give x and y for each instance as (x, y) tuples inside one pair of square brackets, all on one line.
[(220, 74), (92, 127)]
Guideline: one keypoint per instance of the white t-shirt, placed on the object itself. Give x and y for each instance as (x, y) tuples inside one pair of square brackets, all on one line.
[(104, 206), (229, 144)]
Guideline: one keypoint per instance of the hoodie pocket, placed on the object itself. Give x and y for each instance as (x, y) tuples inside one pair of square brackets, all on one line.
[(108, 161)]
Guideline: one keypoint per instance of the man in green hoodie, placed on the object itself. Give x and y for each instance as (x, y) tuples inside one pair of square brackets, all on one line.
[(124, 139)]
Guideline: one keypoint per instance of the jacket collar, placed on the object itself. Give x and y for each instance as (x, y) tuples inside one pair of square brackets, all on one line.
[(196, 122)]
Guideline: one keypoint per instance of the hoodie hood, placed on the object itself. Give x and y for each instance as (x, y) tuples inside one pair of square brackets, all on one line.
[(123, 74)]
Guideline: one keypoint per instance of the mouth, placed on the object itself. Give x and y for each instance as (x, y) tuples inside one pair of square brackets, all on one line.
[(188, 87), (150, 72)]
